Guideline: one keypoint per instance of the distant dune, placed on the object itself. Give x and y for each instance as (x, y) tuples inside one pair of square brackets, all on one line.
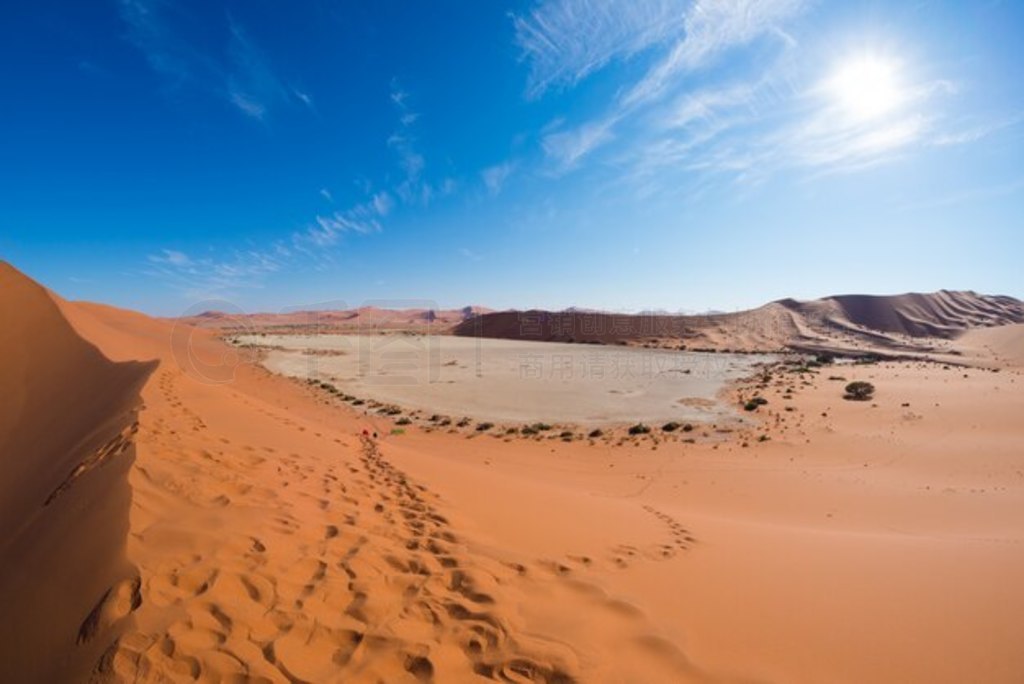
[(844, 323), (367, 317), (1004, 345)]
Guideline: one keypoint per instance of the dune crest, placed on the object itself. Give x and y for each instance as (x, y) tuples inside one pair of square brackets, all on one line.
[(68, 421), (910, 323), (262, 536)]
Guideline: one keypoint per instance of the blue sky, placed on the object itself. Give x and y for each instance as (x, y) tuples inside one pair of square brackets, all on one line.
[(650, 154)]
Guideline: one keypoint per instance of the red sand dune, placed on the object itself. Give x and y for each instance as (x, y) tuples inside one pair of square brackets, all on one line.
[(246, 530), (367, 317), (852, 323)]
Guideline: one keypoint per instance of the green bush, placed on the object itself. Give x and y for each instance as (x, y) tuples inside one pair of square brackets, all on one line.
[(639, 429), (403, 421), (595, 433), (671, 426)]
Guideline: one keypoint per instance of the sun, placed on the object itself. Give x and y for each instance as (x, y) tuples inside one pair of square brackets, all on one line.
[(866, 86)]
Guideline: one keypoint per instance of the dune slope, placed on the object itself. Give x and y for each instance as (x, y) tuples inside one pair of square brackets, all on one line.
[(855, 323), (274, 542), (67, 426)]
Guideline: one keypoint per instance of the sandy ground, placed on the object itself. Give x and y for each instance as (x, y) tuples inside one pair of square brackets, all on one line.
[(262, 537), (511, 381)]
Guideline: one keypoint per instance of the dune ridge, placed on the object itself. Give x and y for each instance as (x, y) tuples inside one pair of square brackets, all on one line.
[(911, 322), (68, 420), (264, 537), (334, 320)]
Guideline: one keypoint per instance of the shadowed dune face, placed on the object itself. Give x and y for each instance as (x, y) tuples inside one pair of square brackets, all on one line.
[(67, 426)]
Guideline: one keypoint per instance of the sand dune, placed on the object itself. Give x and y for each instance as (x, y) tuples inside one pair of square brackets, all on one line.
[(267, 539), (851, 323), (335, 320), (68, 419), (240, 526), (1001, 346)]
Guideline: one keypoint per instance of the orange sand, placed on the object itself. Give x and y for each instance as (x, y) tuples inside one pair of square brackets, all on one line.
[(246, 531)]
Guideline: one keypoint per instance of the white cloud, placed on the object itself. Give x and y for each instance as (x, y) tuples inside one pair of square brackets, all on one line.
[(565, 40), (239, 73), (976, 132), (382, 203), (208, 277), (565, 149), (171, 257), (326, 194), (692, 34), (711, 27), (494, 177)]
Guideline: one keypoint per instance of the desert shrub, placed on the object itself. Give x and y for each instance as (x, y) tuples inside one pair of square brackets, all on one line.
[(541, 427), (639, 429), (687, 427), (463, 423), (358, 402), (825, 358), (529, 430), (445, 421), (595, 433), (754, 402), (567, 436), (859, 391), (671, 426), (402, 421), (483, 427)]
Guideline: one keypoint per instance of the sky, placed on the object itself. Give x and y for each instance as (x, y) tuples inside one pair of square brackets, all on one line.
[(172, 156)]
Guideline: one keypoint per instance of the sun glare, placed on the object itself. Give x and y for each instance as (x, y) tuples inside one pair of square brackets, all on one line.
[(865, 87)]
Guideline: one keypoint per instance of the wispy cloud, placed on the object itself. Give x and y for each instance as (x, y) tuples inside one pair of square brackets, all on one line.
[(239, 73), (494, 177), (711, 28), (315, 244), (565, 40), (209, 277), (685, 120), (964, 134), (566, 148), (413, 189)]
